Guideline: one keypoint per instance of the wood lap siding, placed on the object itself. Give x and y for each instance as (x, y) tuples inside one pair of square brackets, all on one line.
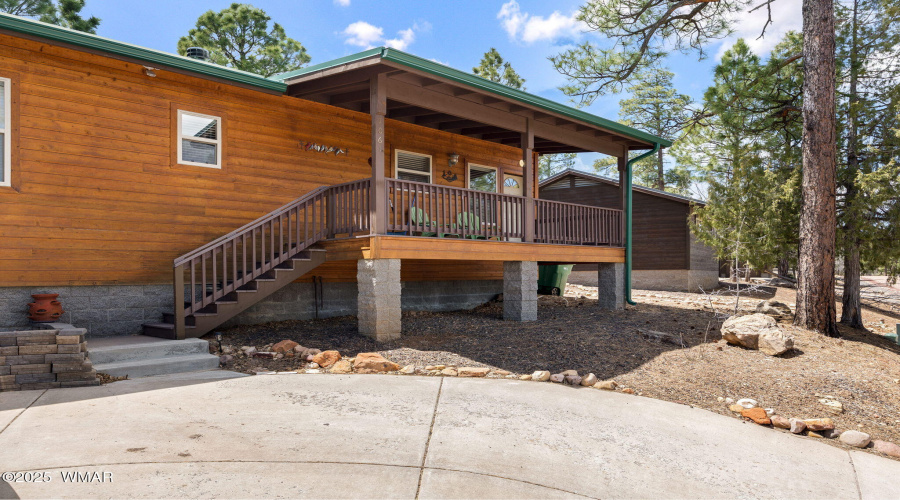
[(660, 225), (97, 195)]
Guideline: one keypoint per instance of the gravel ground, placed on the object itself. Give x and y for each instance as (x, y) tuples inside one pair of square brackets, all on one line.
[(860, 369)]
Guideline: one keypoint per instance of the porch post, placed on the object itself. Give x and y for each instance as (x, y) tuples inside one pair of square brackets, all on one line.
[(378, 109), (528, 178)]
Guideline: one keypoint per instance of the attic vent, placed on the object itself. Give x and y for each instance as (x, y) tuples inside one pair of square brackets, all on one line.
[(563, 184), (197, 53), (585, 182)]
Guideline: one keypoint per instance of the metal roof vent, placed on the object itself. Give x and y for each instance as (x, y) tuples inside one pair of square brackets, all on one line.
[(197, 53)]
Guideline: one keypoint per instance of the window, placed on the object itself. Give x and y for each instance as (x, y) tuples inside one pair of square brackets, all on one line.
[(412, 166), (5, 126), (199, 140), (483, 178)]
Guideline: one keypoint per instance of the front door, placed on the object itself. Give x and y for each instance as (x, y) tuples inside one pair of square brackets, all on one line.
[(512, 184)]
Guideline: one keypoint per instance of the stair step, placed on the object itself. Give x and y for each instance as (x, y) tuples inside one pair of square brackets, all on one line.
[(139, 347), (136, 368)]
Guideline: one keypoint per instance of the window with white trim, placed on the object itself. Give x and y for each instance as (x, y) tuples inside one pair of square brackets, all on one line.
[(5, 128), (482, 178), (410, 166), (199, 139)]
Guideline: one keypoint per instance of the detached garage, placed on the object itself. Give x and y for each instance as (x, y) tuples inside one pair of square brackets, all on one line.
[(666, 255)]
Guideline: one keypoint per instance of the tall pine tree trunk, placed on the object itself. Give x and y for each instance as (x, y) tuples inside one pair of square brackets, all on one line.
[(660, 175), (815, 287), (851, 302)]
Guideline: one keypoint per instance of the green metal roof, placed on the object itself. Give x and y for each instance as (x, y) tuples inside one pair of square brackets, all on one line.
[(415, 62), (153, 57)]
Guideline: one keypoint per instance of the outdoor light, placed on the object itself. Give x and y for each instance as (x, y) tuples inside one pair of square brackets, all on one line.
[(151, 72), (219, 340), (454, 159)]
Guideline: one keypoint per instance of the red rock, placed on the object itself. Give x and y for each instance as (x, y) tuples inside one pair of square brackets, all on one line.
[(628, 391), (372, 362), (819, 424), (285, 346), (757, 415), (327, 358), (889, 449)]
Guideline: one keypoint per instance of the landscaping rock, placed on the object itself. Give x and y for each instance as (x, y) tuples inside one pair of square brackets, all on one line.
[(557, 378), (468, 371), (589, 380), (780, 422), (889, 449), (372, 362), (501, 373), (300, 350), (855, 438), (264, 354), (736, 408), (775, 342), (285, 346), (797, 426), (745, 330), (525, 377), (572, 379), (819, 424), (225, 360), (757, 415), (248, 350), (815, 434), (408, 370), (567, 373), (774, 308), (449, 372), (831, 404), (606, 385), (540, 376), (342, 366), (748, 403), (435, 367), (313, 366), (628, 390), (327, 358)]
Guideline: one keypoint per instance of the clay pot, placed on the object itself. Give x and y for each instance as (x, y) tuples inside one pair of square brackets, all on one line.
[(45, 308)]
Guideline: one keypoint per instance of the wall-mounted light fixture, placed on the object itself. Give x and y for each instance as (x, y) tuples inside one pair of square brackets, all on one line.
[(150, 71), (454, 159)]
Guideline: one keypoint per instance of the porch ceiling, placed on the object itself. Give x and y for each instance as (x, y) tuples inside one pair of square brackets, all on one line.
[(440, 102)]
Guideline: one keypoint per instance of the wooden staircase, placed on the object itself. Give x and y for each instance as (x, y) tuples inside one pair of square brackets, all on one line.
[(223, 278)]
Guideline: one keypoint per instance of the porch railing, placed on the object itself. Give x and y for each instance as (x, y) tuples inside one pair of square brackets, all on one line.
[(570, 224)]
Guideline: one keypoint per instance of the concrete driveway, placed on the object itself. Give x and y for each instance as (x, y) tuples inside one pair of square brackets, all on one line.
[(214, 434)]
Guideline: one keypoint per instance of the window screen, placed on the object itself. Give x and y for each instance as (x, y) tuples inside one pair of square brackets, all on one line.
[(200, 139), (413, 167)]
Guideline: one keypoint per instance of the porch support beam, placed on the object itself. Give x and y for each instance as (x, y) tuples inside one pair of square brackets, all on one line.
[(520, 291), (528, 178), (378, 301), (622, 163), (377, 110)]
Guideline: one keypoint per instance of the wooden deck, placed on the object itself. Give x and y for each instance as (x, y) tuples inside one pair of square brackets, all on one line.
[(452, 249)]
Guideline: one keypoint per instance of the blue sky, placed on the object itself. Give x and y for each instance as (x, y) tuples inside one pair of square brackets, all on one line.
[(456, 33)]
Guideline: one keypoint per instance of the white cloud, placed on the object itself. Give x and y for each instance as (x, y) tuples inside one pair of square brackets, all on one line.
[(530, 28), (342, 3), (363, 34), (787, 15)]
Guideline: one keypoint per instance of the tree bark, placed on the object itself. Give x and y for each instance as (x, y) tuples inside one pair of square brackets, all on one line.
[(660, 175), (851, 301), (815, 287)]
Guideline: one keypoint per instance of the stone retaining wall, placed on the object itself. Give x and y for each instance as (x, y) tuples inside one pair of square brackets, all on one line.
[(45, 359)]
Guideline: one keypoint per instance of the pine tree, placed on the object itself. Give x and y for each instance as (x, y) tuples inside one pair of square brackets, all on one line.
[(656, 107), (552, 164), (240, 37), (65, 13), (493, 68)]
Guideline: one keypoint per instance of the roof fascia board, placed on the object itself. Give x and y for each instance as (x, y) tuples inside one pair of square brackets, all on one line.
[(78, 39), (355, 61)]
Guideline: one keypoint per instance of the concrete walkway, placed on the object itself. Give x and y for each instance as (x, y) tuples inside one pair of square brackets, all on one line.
[(369, 436)]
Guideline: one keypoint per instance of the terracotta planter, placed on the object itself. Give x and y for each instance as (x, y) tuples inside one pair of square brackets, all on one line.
[(45, 308)]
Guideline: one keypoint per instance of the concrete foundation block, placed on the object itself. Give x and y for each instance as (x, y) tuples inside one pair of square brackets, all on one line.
[(520, 291), (378, 298), (611, 285)]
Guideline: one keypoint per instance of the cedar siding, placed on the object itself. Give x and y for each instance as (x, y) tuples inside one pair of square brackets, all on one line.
[(98, 197)]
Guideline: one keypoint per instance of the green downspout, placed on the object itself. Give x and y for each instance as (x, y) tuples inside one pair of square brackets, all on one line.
[(628, 196)]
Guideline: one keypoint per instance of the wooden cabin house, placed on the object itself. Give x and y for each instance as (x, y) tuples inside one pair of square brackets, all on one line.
[(667, 256), (169, 195)]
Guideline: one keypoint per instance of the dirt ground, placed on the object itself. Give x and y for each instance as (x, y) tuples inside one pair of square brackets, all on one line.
[(861, 369)]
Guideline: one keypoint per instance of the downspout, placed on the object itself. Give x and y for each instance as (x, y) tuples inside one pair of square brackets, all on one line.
[(628, 224)]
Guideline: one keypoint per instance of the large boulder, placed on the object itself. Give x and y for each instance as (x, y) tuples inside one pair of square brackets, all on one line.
[(327, 358), (775, 342), (757, 331), (774, 308)]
